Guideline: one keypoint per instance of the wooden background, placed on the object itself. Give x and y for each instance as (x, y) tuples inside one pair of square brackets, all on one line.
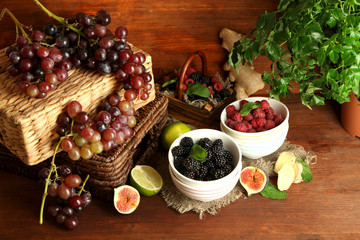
[(169, 30)]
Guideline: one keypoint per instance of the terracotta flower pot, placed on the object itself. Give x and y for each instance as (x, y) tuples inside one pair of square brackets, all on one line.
[(350, 116)]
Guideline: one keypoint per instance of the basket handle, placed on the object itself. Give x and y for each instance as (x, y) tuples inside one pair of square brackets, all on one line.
[(185, 67)]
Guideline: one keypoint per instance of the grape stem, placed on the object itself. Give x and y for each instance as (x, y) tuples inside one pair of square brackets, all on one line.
[(83, 185), (18, 24), (61, 20)]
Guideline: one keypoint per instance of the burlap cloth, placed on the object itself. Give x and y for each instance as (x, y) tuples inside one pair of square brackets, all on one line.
[(181, 203)]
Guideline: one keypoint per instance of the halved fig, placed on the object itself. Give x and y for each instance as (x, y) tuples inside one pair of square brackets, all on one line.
[(126, 199), (253, 179)]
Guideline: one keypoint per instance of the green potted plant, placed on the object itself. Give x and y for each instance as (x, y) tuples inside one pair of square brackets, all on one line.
[(315, 43)]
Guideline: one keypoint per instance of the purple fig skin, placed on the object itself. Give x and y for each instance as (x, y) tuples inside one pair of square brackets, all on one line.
[(248, 189)]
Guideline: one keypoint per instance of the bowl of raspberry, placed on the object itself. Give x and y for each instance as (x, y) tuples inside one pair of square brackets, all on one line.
[(205, 164), (259, 125)]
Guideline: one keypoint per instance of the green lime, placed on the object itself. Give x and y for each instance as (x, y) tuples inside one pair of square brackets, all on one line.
[(172, 132), (146, 180)]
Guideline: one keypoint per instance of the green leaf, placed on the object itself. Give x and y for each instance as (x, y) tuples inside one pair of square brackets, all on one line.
[(306, 173), (168, 82), (271, 191), (273, 49), (198, 153), (247, 107), (334, 56), (198, 89), (270, 19)]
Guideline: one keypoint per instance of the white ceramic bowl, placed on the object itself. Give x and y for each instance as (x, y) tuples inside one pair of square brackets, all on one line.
[(207, 190), (259, 144)]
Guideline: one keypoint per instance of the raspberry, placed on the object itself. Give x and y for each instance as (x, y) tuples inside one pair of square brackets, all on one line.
[(242, 102), (269, 110), (214, 80), (258, 113), (228, 121), (237, 117), (264, 104), (189, 71), (230, 108), (269, 124), (248, 117), (184, 87), (254, 123), (211, 90), (251, 130), (260, 129), (218, 86), (241, 127), (260, 122), (278, 119), (232, 124), (270, 116), (189, 81), (230, 114), (247, 124)]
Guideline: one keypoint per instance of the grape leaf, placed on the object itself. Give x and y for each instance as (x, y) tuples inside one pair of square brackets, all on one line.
[(306, 173), (271, 191), (198, 153), (247, 107)]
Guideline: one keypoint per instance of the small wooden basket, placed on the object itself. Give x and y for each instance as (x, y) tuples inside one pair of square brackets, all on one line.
[(28, 125), (208, 116)]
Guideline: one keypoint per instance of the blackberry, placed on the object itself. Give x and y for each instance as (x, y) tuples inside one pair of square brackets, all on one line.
[(210, 164), (191, 164), (228, 157), (217, 96), (225, 93), (178, 162), (218, 141), (202, 172), (217, 149), (186, 142), (196, 76), (191, 97), (189, 174), (205, 143), (219, 173), (220, 161), (228, 168), (205, 79), (180, 151)]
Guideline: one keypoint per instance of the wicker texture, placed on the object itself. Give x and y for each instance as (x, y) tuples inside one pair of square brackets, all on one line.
[(109, 169), (28, 125)]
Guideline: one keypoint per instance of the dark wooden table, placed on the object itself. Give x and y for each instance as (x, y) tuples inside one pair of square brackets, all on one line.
[(326, 208)]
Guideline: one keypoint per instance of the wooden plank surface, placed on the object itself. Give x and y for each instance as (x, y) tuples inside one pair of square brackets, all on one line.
[(326, 208)]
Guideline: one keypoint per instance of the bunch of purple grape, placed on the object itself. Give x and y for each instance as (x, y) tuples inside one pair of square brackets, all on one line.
[(111, 126), (43, 59), (70, 198)]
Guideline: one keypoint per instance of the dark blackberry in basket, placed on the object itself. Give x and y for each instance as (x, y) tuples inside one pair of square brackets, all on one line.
[(186, 142), (205, 143), (219, 173), (180, 151), (191, 164), (205, 79), (225, 93), (217, 96), (196, 76)]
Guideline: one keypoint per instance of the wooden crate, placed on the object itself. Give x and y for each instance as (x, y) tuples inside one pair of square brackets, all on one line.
[(109, 169), (28, 125)]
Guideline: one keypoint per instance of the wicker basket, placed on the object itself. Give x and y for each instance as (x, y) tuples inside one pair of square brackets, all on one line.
[(205, 117), (109, 169), (27, 125)]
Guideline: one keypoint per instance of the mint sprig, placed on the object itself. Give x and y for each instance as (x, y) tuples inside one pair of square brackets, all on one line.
[(198, 153), (247, 107), (168, 82), (198, 89), (271, 191), (306, 174)]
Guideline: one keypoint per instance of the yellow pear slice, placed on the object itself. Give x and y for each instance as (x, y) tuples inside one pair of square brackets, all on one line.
[(298, 167), (284, 158), (286, 176)]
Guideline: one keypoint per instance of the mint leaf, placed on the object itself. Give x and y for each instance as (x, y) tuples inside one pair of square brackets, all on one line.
[(247, 107), (198, 89), (271, 191), (198, 153), (306, 173), (168, 82)]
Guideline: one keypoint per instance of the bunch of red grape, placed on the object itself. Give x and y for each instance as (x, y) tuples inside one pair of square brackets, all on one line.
[(65, 186), (84, 136), (43, 59)]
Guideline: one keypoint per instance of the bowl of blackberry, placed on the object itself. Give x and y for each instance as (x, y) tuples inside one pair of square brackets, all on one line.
[(204, 164)]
